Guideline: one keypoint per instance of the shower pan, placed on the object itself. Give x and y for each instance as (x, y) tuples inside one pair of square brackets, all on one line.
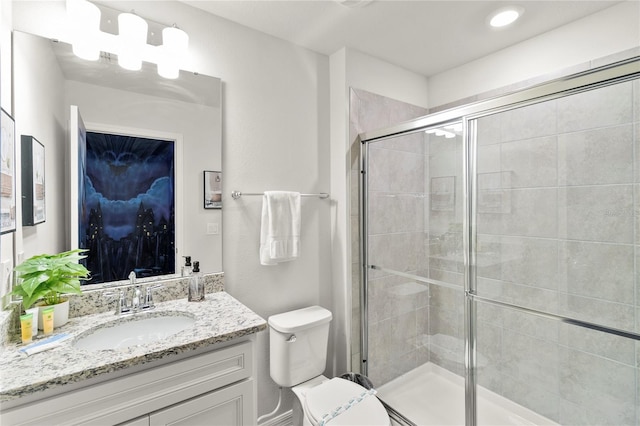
[(500, 256)]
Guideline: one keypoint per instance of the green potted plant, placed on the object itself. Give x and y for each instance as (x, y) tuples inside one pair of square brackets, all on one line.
[(48, 277)]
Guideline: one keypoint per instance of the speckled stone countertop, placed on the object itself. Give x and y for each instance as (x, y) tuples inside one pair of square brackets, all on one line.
[(219, 318)]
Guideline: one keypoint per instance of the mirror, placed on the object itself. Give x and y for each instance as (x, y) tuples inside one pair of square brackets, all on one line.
[(48, 79)]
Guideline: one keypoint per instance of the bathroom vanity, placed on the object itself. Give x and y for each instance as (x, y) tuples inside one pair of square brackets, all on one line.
[(203, 374)]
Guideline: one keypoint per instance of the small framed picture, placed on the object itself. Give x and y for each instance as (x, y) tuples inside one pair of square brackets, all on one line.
[(33, 183), (212, 190), (443, 194), (7, 173)]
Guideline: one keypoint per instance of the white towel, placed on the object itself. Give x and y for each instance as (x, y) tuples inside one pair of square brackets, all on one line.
[(280, 231)]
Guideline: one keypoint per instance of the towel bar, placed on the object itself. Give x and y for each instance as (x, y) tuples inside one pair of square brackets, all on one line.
[(237, 194)]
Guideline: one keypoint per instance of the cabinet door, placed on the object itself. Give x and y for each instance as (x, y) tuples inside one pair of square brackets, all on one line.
[(225, 407)]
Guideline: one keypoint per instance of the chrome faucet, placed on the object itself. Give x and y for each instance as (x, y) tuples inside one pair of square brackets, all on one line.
[(148, 296), (121, 301), (138, 301)]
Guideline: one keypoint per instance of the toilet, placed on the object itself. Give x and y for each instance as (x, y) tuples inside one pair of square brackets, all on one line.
[(298, 349)]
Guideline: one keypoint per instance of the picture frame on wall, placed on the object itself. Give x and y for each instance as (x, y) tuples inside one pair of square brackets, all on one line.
[(212, 189), (443, 194), (126, 203), (7, 173), (33, 181)]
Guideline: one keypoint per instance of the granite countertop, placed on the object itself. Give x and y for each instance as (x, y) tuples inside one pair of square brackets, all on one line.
[(219, 318)]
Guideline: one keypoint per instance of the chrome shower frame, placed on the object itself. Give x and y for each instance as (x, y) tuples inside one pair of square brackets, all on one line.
[(618, 72)]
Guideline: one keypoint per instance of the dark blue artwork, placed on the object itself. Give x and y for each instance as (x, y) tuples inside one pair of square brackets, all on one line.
[(127, 206)]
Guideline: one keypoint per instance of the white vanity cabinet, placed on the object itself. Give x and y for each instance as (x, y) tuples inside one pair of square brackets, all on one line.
[(226, 407), (214, 387), (231, 406)]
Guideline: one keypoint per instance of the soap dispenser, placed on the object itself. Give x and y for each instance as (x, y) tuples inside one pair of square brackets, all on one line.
[(186, 269), (196, 285)]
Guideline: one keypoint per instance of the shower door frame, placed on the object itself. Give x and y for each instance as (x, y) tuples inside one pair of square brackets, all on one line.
[(617, 72)]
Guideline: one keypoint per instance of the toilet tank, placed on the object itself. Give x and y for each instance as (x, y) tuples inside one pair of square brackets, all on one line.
[(298, 345)]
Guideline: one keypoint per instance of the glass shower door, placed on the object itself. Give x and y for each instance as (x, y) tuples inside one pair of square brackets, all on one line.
[(415, 273), (557, 259)]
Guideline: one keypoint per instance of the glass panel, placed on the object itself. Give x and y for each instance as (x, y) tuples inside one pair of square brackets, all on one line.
[(556, 210), (557, 232), (534, 370), (415, 292), (397, 305)]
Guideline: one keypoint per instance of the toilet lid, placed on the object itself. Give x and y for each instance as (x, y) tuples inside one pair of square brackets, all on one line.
[(325, 398)]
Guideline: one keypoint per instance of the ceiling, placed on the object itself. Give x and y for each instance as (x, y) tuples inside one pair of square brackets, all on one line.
[(423, 36)]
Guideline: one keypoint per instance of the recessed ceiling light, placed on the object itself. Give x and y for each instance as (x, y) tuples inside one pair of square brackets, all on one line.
[(504, 17)]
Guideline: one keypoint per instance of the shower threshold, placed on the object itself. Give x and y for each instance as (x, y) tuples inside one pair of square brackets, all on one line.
[(432, 395)]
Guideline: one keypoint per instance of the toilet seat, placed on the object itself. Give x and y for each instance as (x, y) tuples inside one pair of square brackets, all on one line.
[(331, 394)]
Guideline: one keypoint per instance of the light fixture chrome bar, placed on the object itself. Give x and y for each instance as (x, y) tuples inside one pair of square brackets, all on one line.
[(237, 194)]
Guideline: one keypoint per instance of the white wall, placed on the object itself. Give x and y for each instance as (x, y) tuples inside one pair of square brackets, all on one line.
[(40, 112), (607, 32), (365, 72), (353, 69), (6, 24)]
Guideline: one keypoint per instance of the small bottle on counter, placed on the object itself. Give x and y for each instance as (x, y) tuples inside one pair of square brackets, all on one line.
[(196, 285), (26, 327), (186, 269), (47, 320)]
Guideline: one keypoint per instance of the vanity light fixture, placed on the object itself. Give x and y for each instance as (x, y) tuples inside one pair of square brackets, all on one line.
[(86, 30), (504, 16), (134, 41), (132, 31), (174, 45)]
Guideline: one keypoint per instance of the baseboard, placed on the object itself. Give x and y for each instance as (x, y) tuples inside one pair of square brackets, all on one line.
[(284, 419)]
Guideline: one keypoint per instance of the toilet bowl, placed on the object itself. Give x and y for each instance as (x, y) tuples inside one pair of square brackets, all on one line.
[(339, 402), (298, 351)]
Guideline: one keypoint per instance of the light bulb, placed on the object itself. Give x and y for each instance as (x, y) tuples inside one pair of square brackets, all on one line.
[(174, 46), (132, 31), (85, 20)]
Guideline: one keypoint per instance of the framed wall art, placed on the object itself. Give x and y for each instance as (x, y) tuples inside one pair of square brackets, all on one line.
[(7, 173), (443, 193), (126, 217), (33, 181), (212, 190)]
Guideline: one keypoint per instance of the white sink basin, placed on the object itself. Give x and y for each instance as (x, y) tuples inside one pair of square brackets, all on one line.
[(135, 330)]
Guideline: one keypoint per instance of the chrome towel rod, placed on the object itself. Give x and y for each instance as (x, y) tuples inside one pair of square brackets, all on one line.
[(237, 194)]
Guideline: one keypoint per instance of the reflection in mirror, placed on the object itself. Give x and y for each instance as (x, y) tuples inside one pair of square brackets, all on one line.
[(126, 217), (49, 79)]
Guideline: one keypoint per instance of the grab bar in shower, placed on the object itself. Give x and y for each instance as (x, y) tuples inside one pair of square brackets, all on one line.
[(237, 194)]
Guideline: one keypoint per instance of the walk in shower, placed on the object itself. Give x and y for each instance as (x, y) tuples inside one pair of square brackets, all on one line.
[(500, 254)]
